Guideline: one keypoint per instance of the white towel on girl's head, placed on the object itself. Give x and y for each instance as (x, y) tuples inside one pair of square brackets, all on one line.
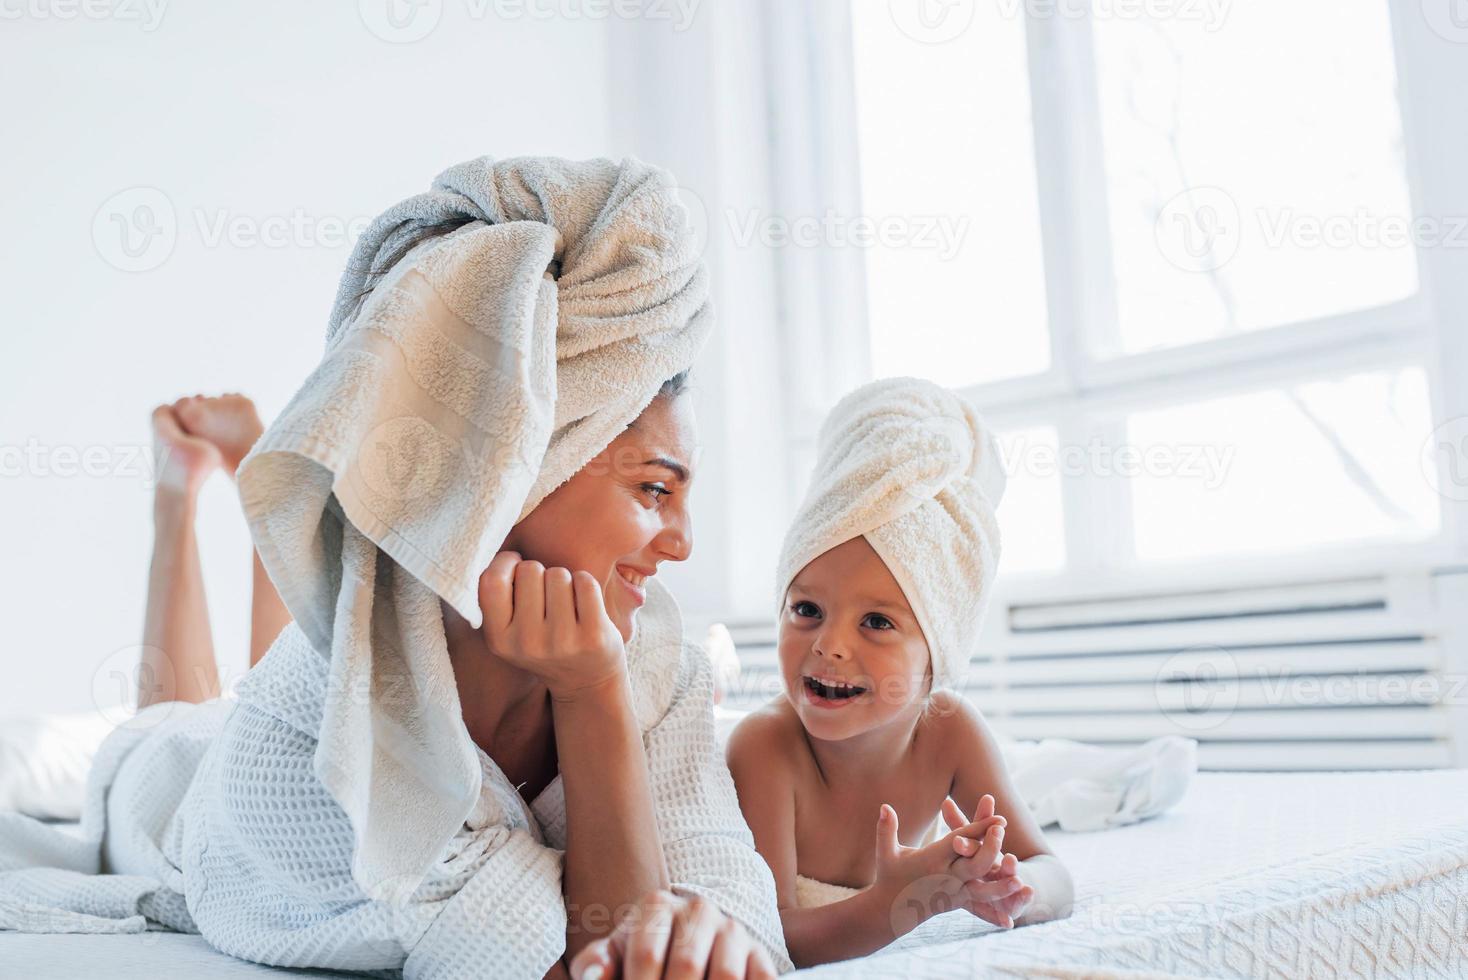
[(911, 467), (486, 368)]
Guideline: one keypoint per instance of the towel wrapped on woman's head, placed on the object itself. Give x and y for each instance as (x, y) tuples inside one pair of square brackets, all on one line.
[(482, 370), (911, 467)]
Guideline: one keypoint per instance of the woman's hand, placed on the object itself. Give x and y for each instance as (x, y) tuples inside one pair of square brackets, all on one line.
[(551, 622), (668, 937)]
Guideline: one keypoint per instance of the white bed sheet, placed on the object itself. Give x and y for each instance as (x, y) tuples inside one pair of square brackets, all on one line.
[(1256, 875), (1251, 875)]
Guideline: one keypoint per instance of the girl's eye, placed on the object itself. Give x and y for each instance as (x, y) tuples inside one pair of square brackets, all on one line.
[(877, 621), (805, 609)]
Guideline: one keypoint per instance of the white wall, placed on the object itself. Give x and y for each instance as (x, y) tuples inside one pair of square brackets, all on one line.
[(241, 112)]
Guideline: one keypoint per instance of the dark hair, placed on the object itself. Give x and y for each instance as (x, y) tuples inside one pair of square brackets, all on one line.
[(415, 235), (676, 385)]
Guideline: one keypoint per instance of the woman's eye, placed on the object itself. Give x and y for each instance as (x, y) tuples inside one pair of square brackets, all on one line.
[(805, 609), (877, 621), (656, 490)]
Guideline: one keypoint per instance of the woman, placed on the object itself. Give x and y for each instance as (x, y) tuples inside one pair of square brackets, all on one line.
[(562, 803)]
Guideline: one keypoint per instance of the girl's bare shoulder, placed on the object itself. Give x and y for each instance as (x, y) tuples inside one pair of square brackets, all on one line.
[(765, 742), (955, 726)]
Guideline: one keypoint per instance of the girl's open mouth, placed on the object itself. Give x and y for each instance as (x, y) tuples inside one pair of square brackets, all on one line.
[(830, 694)]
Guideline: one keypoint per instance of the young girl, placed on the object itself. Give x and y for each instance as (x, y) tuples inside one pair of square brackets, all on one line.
[(882, 582)]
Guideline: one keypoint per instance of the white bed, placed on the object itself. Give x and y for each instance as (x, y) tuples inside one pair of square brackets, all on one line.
[(1259, 875)]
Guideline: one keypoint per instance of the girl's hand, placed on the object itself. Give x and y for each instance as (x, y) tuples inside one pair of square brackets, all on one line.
[(920, 882), (668, 936), (995, 893), (550, 622)]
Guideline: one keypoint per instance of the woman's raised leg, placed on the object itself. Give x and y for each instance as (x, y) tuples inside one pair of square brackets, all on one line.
[(178, 648), (231, 424)]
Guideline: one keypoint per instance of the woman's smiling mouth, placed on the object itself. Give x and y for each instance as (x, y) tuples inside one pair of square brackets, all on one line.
[(635, 579)]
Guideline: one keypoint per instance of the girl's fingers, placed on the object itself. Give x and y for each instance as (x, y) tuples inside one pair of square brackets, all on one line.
[(985, 807), (984, 859), (952, 815), (992, 891), (529, 595), (887, 843)]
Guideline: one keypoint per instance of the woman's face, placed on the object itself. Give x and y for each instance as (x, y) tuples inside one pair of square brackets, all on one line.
[(624, 513), (852, 654)]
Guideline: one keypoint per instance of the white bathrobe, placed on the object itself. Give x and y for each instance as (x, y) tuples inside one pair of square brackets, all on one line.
[(210, 818)]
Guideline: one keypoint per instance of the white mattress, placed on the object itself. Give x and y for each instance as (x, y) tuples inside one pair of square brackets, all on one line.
[(1253, 874), (1258, 875)]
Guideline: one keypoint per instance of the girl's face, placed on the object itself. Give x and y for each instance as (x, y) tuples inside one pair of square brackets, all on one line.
[(852, 654), (622, 514)]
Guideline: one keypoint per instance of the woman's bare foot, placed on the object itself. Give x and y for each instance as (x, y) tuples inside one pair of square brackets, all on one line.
[(184, 461), (229, 422)]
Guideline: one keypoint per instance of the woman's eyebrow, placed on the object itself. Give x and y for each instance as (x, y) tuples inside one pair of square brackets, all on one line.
[(679, 471)]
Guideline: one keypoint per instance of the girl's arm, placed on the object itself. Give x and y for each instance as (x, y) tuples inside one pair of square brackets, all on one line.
[(758, 756), (978, 769)]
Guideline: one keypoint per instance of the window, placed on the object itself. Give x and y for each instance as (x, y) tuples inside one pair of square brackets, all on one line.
[(1253, 179), (956, 289), (1188, 271)]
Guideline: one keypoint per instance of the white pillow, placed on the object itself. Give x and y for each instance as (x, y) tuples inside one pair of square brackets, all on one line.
[(44, 761)]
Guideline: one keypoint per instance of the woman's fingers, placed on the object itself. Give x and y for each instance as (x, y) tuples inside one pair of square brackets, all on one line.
[(590, 606), (529, 595), (596, 961), (758, 966), (496, 591), (560, 602), (695, 926), (731, 954), (647, 932)]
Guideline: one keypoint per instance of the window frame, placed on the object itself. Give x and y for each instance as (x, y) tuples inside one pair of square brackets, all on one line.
[(1084, 396)]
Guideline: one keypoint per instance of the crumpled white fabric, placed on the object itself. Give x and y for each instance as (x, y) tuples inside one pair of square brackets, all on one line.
[(1092, 787)]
